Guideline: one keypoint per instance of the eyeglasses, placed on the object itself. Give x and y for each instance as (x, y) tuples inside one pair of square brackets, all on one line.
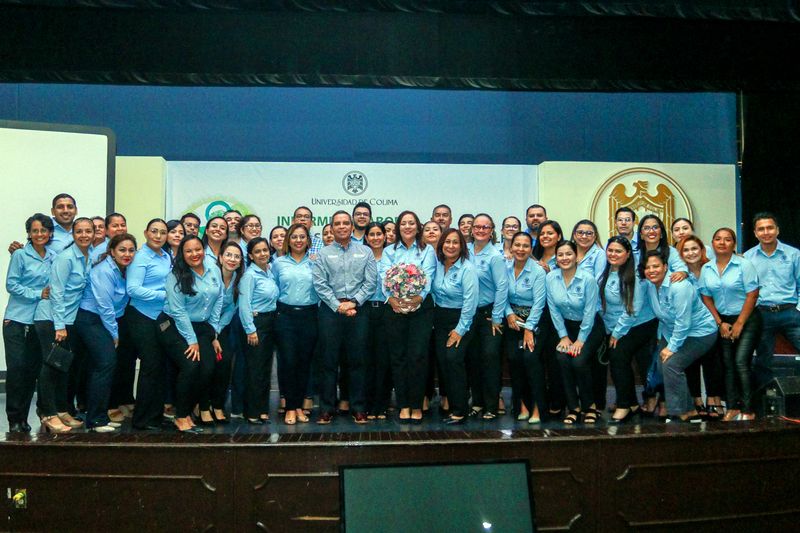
[(252, 226), (361, 214), (584, 233), (43, 231), (510, 226), (650, 228), (481, 227), (229, 255)]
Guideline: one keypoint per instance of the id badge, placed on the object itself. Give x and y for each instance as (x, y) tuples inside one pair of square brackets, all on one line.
[(164, 326)]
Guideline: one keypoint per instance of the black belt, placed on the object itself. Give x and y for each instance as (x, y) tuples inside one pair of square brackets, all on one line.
[(485, 309), (376, 303), (296, 308), (263, 313), (776, 308)]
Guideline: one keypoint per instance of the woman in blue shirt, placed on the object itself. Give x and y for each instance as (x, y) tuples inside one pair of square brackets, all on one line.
[(189, 326), (524, 343), (215, 234), (653, 236), (54, 321), (146, 286), (231, 266), (572, 298), (98, 325), (378, 373), (175, 234), (484, 350), (27, 284), (687, 328), (511, 225), (544, 249), (410, 324), (258, 297), (629, 323), (455, 291), (296, 319), (591, 256), (729, 287)]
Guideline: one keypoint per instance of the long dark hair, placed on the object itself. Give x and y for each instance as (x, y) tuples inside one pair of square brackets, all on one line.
[(113, 243), (239, 271), (417, 238), (89, 220), (662, 247), (538, 249), (171, 225), (183, 272), (626, 272), (587, 222), (204, 240), (252, 243), (378, 225), (463, 253)]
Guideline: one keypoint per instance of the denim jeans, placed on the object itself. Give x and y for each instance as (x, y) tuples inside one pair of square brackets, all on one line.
[(676, 389), (737, 356), (102, 361), (786, 322), (637, 344)]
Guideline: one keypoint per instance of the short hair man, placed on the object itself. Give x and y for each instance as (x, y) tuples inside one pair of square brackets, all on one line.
[(442, 215), (191, 224), (362, 216), (535, 216)]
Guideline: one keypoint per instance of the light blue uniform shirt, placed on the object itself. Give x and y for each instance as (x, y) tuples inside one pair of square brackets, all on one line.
[(96, 251), (778, 274), (204, 306), (730, 290), (69, 274), (258, 293), (578, 302), (295, 281), (528, 290), (105, 294), (615, 316), (341, 272), (28, 274), (229, 306), (383, 264), (61, 238), (147, 279), (594, 262), (424, 259), (680, 312), (492, 279), (458, 289), (674, 262)]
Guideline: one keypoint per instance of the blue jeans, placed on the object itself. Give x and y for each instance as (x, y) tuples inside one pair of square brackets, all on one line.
[(786, 322), (676, 389), (102, 359)]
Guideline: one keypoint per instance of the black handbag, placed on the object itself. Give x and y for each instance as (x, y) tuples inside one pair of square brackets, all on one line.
[(59, 358)]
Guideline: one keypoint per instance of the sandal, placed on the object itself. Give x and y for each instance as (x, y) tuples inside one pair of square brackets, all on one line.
[(572, 418), (702, 411), (488, 415), (715, 412), (591, 416)]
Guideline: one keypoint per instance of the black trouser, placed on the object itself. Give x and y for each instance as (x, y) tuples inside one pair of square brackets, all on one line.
[(484, 361), (221, 376), (193, 376), (151, 387), (637, 344), (408, 336), (712, 373), (125, 371), (378, 379), (527, 370), (297, 335), (52, 397), (576, 372), (555, 384), (738, 356), (101, 362), (435, 375), (452, 359), (340, 333), (23, 364), (258, 361)]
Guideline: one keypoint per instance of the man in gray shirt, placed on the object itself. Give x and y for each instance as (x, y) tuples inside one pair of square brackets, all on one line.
[(345, 276)]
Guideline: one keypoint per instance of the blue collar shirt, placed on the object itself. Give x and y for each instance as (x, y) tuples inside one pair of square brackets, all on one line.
[(778, 274), (69, 274), (680, 312), (527, 290), (383, 264), (345, 273), (28, 274), (576, 302), (425, 259), (457, 289), (61, 238), (229, 305), (594, 262), (729, 290), (295, 280), (96, 251), (105, 295), (204, 306), (492, 279), (258, 293), (147, 279), (616, 318)]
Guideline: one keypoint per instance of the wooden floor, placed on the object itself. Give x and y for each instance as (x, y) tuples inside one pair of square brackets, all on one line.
[(648, 476)]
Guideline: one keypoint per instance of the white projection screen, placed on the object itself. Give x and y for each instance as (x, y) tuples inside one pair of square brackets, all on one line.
[(39, 161)]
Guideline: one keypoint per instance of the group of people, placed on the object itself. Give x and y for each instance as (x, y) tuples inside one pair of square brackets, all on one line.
[(204, 316)]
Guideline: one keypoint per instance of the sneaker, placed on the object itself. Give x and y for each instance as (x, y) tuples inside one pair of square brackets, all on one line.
[(360, 418), (325, 418), (103, 429)]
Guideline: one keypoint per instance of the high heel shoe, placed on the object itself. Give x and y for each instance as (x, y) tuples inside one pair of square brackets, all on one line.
[(52, 424), (219, 419), (207, 423), (68, 420)]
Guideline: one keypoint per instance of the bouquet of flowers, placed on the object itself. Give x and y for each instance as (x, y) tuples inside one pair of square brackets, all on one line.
[(403, 281)]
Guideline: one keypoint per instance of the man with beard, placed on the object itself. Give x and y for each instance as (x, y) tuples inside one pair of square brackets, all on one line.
[(535, 217), (232, 217), (64, 209), (362, 216)]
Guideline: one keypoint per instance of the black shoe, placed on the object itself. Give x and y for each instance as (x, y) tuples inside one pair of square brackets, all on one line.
[(16, 427), (455, 421), (149, 427), (256, 421), (629, 415), (26, 427), (475, 413), (194, 430)]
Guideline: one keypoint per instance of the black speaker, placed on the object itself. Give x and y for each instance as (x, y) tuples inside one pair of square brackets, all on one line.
[(781, 397)]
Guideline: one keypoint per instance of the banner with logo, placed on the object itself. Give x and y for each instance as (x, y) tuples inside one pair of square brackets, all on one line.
[(705, 194), (274, 190)]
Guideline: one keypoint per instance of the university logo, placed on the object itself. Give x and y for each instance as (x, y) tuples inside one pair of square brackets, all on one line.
[(354, 183), (645, 190)]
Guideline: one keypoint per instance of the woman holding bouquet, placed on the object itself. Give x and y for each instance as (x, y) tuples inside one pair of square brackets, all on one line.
[(411, 320), (484, 350)]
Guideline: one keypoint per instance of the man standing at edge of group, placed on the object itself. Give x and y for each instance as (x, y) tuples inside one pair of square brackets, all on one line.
[(778, 267), (442, 215), (535, 216), (345, 276), (362, 216), (64, 210)]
